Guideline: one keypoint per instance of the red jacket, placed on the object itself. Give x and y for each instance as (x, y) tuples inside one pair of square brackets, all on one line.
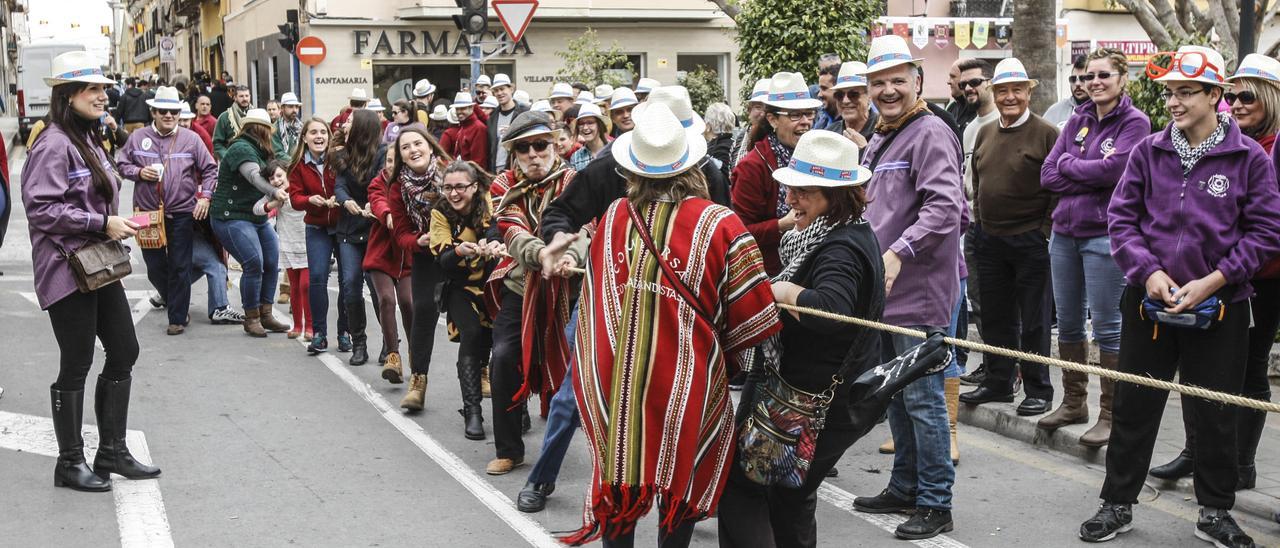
[(382, 253), (209, 122), (204, 136), (305, 182), (449, 139), (755, 200), (339, 120), (472, 139)]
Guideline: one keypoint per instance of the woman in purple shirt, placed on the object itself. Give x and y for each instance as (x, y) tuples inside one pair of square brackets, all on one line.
[(70, 188)]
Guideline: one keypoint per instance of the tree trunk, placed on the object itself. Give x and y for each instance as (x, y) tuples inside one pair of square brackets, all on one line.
[(1035, 44), (729, 8)]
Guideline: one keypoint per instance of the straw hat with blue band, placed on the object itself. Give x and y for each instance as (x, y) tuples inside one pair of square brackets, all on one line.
[(560, 90), (76, 66), (484, 80), (1011, 71), (825, 159), (423, 88), (759, 90), (647, 85), (166, 98), (462, 100), (788, 91), (676, 99), (500, 80), (622, 98), (1257, 65), (852, 74), (1192, 59), (659, 147), (889, 51)]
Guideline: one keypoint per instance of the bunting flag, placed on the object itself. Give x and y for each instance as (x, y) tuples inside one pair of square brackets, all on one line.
[(980, 31), (1003, 33), (941, 36), (962, 34), (1061, 35), (903, 30), (920, 35)]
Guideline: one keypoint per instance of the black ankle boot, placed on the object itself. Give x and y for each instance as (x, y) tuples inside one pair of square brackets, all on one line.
[(359, 341), (111, 404), (1180, 467), (469, 381), (71, 470)]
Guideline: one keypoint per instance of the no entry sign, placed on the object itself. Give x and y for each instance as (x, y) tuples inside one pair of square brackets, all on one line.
[(310, 51), (515, 16)]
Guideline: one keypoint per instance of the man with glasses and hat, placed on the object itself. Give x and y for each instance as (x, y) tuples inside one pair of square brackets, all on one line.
[(500, 121), (176, 175), (482, 88), (857, 121)]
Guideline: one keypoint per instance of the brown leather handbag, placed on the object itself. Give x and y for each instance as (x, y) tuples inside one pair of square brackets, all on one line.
[(99, 264)]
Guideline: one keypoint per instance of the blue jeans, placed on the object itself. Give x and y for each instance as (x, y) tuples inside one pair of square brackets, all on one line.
[(562, 420), (206, 262), (169, 268), (922, 469), (955, 369), (255, 247), (1085, 274), (351, 273), (322, 244)]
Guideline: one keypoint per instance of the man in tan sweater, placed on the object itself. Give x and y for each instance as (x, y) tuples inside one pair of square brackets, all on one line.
[(1012, 214)]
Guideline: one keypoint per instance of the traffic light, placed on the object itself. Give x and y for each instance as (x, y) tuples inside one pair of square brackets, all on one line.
[(475, 16), (290, 31)]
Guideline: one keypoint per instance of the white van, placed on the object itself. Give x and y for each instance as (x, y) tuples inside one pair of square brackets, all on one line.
[(35, 61)]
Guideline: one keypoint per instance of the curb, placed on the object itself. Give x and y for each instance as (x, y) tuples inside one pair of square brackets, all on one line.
[(1002, 419)]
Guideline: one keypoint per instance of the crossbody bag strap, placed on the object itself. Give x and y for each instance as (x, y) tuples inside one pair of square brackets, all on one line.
[(667, 271), (875, 158)]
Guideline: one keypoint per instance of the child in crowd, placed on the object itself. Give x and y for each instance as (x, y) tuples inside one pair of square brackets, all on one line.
[(293, 248)]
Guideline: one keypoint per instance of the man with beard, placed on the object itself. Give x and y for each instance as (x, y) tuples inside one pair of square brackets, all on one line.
[(1061, 111), (960, 110), (228, 126), (289, 125)]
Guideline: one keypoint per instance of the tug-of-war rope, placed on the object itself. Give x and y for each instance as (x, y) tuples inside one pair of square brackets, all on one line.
[(1150, 382)]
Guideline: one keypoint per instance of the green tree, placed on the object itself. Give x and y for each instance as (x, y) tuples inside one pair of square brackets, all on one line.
[(585, 60), (789, 35), (704, 88)]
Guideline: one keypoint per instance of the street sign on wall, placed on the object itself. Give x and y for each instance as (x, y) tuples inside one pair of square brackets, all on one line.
[(168, 49), (1138, 51)]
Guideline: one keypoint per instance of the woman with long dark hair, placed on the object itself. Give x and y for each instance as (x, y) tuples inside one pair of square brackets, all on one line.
[(246, 234), (355, 166), (388, 266), (71, 191)]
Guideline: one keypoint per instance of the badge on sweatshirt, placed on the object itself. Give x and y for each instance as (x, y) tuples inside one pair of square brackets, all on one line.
[(1108, 146), (146, 143), (1218, 186)]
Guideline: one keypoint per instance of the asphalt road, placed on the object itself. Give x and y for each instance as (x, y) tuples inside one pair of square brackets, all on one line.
[(262, 445)]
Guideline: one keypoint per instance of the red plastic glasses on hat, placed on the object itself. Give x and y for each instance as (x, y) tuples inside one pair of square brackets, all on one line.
[(1191, 64)]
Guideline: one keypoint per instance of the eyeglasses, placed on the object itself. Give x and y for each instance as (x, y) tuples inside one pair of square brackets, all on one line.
[(450, 189), (840, 94), (974, 83), (1245, 97), (798, 115), (537, 146), (168, 112), (1191, 64), (1182, 94), (1089, 76)]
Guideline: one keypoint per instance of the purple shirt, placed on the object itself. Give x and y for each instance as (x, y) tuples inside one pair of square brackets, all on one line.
[(189, 172), (64, 210), (916, 209), (1224, 215), (1084, 174)]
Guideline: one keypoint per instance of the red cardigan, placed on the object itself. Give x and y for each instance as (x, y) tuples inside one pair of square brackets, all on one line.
[(382, 253), (305, 182), (755, 200)]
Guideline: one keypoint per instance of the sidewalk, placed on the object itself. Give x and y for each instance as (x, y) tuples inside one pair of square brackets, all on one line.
[(1002, 418)]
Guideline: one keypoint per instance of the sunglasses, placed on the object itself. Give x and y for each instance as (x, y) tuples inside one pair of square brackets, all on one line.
[(1191, 64), (1245, 97), (1089, 76), (974, 83), (840, 94), (537, 146), (168, 112)]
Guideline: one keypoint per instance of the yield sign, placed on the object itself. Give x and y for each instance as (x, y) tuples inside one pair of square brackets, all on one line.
[(515, 16)]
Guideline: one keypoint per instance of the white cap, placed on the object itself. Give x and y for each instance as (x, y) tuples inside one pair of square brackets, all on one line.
[(289, 98), (787, 90), (561, 89), (1009, 71), (1257, 65), (483, 80), (423, 88), (358, 94), (889, 51), (76, 66), (1192, 59), (658, 147), (166, 98), (852, 74), (823, 158), (462, 99)]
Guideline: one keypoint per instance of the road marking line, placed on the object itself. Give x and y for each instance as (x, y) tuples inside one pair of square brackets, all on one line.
[(138, 311), (140, 513), (843, 500)]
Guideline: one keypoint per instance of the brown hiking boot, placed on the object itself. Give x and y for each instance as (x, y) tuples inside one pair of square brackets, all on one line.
[(416, 397), (1075, 390), (391, 369), (886, 448), (251, 324), (498, 467), (1100, 434), (269, 321)]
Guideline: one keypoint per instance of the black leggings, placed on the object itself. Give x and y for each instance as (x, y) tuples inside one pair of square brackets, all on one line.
[(422, 336), (474, 340), (78, 319)]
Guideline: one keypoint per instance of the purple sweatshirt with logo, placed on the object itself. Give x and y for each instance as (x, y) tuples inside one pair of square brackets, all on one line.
[(1224, 215), (64, 210), (916, 209), (189, 172), (1086, 163)]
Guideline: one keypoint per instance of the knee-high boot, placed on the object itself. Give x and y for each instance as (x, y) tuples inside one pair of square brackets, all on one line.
[(1249, 425), (1075, 390), (356, 321), (71, 470), (469, 381), (111, 404), (1100, 433)]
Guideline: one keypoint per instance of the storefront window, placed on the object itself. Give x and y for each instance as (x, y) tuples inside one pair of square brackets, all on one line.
[(393, 82)]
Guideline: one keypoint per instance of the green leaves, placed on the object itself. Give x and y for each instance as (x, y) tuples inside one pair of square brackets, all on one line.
[(704, 88), (789, 35), (586, 61)]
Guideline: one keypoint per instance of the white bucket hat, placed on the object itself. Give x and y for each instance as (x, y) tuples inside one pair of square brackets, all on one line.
[(852, 74), (889, 51), (462, 99), (561, 89), (451, 116), (787, 90), (647, 85), (255, 116), (423, 88), (658, 147), (289, 99), (591, 110), (358, 94), (501, 79), (76, 66), (186, 113), (759, 90), (585, 98), (374, 104), (166, 98), (676, 99), (521, 96), (1191, 59), (484, 80), (541, 105), (489, 102), (603, 92), (623, 98), (1257, 65), (440, 114), (823, 158), (1009, 71)]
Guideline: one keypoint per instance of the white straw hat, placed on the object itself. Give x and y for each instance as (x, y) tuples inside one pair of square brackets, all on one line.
[(590, 109), (852, 74), (1009, 71), (289, 99), (484, 80), (585, 98), (166, 98), (759, 90), (1191, 59), (1257, 65), (358, 94), (676, 99), (603, 92), (823, 158), (374, 104), (462, 100), (889, 51), (541, 105), (647, 85), (788, 90), (186, 113), (489, 102), (521, 96), (451, 116), (76, 66), (440, 114), (255, 116), (501, 79), (623, 98), (561, 89), (423, 88), (659, 147)]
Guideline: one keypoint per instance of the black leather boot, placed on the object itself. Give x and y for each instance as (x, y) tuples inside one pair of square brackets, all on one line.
[(469, 381), (1180, 467), (71, 470), (111, 404), (359, 341), (1249, 425)]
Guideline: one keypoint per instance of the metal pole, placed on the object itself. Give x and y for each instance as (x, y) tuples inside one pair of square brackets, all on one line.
[(312, 102), (475, 61), (1247, 38)]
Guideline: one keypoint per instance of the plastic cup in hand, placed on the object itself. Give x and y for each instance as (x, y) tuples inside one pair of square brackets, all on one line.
[(159, 169)]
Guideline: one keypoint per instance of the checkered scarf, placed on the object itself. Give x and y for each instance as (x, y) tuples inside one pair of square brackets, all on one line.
[(1188, 155), (783, 155), (796, 247)]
